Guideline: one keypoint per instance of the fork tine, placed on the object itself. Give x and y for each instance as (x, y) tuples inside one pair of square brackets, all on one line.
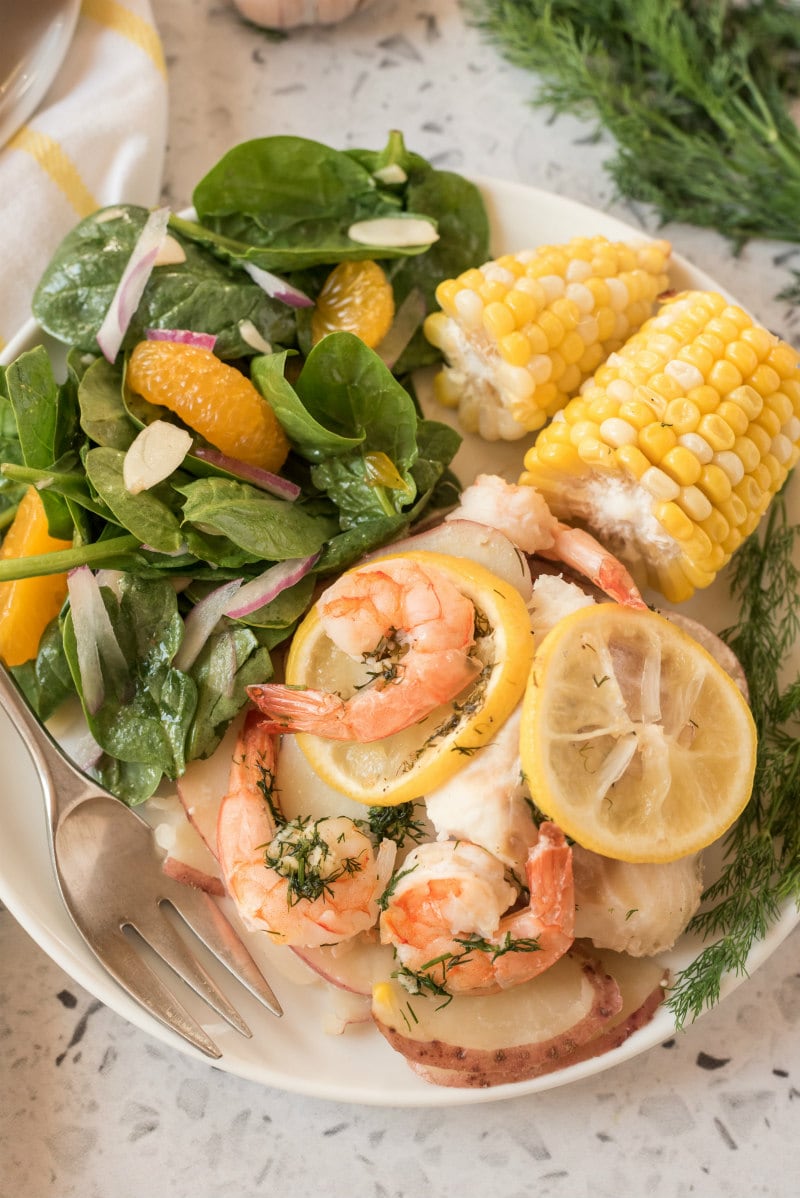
[(209, 923), (133, 973), (155, 930)]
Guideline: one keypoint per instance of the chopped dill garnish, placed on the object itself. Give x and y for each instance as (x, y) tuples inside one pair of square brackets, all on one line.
[(300, 853), (391, 886), (762, 866), (396, 823)]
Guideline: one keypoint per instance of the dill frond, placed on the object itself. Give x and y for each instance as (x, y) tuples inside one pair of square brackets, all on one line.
[(762, 865), (703, 83)]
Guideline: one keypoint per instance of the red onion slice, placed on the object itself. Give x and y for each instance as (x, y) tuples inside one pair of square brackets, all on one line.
[(132, 284), (278, 288), (269, 585), (183, 337), (201, 622), (407, 319), (95, 638), (265, 479)]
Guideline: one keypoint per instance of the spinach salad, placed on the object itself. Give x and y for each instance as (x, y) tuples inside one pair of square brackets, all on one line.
[(364, 462)]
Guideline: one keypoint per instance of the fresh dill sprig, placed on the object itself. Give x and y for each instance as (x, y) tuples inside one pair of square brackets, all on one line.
[(762, 866), (703, 83), (396, 823)]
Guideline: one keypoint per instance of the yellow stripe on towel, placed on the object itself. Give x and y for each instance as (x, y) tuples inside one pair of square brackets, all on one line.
[(128, 24), (58, 165)]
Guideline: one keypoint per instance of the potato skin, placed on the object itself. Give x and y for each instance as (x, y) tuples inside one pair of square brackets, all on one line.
[(620, 995), (471, 1066)]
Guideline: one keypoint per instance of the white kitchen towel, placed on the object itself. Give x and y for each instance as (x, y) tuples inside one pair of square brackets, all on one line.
[(97, 138)]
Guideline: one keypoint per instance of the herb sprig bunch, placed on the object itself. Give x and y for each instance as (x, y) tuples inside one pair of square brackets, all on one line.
[(762, 869), (694, 93)]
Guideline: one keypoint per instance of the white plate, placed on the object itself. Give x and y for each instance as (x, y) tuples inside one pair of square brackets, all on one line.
[(34, 39), (296, 1054)]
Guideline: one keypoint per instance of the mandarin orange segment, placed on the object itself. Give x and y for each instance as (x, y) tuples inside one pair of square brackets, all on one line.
[(27, 605), (355, 298), (214, 399)]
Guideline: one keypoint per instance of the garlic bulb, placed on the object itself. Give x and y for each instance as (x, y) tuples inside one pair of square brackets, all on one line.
[(288, 14)]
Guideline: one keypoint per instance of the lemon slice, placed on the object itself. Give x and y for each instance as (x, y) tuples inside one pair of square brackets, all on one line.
[(406, 765), (634, 740)]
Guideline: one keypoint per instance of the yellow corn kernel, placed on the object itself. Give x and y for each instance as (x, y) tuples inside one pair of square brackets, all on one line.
[(783, 359), (734, 417), (674, 520), (760, 437), (498, 320), (683, 415), (769, 420), (743, 357), (565, 457), (515, 348), (765, 379), (656, 440), (724, 376), (445, 391), (636, 412), (523, 306), (715, 526), (748, 399), (631, 459), (682, 465), (446, 293), (716, 431), (781, 405), (720, 326), (602, 406), (714, 483)]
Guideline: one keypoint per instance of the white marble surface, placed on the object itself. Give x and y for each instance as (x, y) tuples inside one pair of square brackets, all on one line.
[(90, 1106)]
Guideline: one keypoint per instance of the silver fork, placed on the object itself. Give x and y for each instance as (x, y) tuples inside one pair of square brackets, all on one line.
[(109, 873)]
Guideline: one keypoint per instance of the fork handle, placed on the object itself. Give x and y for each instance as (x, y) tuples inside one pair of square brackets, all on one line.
[(62, 783)]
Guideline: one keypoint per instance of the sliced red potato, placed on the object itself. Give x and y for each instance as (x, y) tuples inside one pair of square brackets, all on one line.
[(511, 1036), (187, 858), (643, 985), (203, 785), (355, 965)]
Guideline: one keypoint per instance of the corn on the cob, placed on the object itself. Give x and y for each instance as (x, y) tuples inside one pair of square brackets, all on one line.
[(522, 333), (673, 451)]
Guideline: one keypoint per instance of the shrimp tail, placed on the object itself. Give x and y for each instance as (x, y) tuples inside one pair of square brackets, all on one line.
[(284, 709), (550, 880), (579, 549)]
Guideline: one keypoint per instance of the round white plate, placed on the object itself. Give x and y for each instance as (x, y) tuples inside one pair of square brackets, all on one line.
[(36, 35), (296, 1053)]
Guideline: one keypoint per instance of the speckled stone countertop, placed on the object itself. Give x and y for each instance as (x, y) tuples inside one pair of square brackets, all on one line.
[(92, 1107)]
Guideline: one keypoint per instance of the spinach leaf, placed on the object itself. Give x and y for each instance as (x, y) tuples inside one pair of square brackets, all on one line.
[(45, 425), (230, 661), (349, 546), (285, 203), (463, 224), (103, 415), (346, 387), (131, 781), (145, 717), (437, 446), (46, 681), (308, 436), (202, 293), (145, 515), (269, 528)]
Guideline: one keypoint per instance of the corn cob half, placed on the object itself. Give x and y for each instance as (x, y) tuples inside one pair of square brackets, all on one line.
[(522, 333), (674, 449)]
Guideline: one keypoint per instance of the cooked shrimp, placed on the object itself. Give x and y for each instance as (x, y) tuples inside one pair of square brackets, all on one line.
[(523, 515), (305, 881), (447, 915), (413, 624)]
